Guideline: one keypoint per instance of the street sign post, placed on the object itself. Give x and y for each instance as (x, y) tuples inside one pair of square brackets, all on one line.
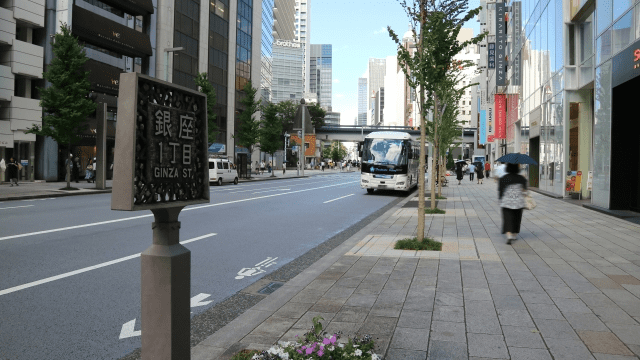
[(161, 165)]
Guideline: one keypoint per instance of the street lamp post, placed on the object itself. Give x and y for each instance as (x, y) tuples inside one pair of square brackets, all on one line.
[(166, 59)]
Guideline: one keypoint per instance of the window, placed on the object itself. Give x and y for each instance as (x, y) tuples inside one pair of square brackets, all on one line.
[(226, 165)]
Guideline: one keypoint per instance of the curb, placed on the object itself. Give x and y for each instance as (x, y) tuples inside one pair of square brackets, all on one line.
[(223, 339), (44, 196)]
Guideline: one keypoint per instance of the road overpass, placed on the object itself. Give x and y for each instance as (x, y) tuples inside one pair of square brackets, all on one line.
[(353, 133)]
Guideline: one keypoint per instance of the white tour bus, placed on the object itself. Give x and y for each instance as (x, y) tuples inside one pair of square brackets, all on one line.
[(389, 161)]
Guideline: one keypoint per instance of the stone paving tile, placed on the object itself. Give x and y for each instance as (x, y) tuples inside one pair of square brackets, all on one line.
[(523, 336), (414, 319), (604, 343), (402, 354), (306, 321), (585, 322), (446, 350), (629, 334), (544, 311), (509, 317), (410, 339), (491, 346), (556, 330), (448, 331), (480, 324), (448, 313), (613, 315), (614, 357), (529, 354), (569, 349), (378, 325)]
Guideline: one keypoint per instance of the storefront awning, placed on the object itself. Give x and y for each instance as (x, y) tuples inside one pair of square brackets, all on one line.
[(133, 7), (103, 78)]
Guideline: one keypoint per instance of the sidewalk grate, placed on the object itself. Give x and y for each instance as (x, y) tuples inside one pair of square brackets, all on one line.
[(270, 288)]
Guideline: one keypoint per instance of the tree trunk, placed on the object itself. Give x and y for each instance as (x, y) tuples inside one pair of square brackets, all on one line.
[(423, 136), (69, 168), (435, 151), (440, 173), (273, 165)]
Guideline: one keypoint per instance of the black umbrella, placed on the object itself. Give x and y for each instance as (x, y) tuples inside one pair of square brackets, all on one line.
[(517, 158)]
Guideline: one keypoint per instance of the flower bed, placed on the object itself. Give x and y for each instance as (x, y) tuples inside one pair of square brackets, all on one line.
[(316, 345)]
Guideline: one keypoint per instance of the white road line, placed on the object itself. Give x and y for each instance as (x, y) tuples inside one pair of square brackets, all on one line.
[(151, 215), (258, 192), (342, 197), (15, 207), (89, 268)]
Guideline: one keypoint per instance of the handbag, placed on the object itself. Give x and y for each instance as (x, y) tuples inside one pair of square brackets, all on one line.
[(529, 202), (89, 167)]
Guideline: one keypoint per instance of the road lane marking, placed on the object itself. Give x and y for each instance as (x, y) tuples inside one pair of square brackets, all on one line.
[(89, 268), (342, 197), (258, 192), (16, 207), (151, 215), (257, 269)]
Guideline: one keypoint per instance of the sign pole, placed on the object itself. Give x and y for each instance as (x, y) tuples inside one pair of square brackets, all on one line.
[(101, 146), (165, 269), (303, 147)]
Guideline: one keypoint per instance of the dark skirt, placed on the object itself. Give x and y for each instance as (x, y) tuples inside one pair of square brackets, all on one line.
[(511, 219), (480, 174), (459, 175)]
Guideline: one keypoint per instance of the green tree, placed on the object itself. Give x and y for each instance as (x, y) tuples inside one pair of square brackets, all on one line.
[(66, 102), (439, 23), (287, 114), (317, 115), (205, 87), (249, 128), (338, 151), (270, 131)]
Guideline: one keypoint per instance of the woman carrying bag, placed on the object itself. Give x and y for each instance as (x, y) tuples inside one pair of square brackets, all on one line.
[(88, 175), (512, 196)]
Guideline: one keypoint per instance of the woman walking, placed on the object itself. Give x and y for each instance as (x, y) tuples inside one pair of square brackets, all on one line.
[(512, 200), (88, 174), (12, 171), (479, 173), (459, 173)]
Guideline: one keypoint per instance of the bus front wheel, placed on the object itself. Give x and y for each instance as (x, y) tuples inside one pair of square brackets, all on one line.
[(369, 191)]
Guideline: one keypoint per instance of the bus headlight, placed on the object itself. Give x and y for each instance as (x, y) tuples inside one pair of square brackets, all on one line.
[(365, 181), (400, 183)]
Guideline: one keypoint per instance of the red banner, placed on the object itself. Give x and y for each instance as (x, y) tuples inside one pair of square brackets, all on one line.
[(501, 116), (512, 116)]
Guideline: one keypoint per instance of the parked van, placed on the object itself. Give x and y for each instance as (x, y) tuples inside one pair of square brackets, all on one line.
[(222, 171)]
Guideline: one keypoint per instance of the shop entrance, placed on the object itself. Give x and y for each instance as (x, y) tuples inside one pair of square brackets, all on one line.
[(625, 148), (534, 170)]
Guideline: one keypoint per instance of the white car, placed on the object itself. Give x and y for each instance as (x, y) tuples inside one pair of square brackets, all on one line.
[(222, 171)]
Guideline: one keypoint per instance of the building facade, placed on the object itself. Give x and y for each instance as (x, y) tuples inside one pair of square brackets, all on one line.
[(362, 101), (320, 74), (266, 49), (22, 41), (570, 73), (375, 80), (332, 118), (288, 62), (303, 36)]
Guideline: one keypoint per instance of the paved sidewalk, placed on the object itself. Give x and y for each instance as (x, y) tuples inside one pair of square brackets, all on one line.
[(569, 288), (41, 189)]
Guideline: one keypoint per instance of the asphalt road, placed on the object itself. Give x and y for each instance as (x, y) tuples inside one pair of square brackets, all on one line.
[(70, 267)]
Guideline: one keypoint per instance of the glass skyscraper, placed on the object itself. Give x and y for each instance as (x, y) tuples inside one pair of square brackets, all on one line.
[(288, 62), (362, 101), (266, 50), (320, 74)]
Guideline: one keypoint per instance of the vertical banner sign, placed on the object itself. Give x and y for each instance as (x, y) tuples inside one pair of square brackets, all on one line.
[(512, 116), (483, 126), (501, 45), (501, 116), (491, 59), (516, 74), (491, 129)]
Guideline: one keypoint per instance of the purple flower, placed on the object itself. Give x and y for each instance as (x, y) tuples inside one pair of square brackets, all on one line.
[(326, 341), (320, 353), (309, 351)]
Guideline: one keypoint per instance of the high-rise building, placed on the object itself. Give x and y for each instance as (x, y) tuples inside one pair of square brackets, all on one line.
[(362, 102), (332, 118), (266, 49), (284, 15), (288, 62), (303, 36), (375, 71), (470, 53), (320, 74)]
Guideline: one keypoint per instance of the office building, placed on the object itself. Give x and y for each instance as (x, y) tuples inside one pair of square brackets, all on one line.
[(266, 49), (332, 118), (362, 101), (320, 74), (288, 62), (284, 16), (375, 80), (303, 36), (22, 41)]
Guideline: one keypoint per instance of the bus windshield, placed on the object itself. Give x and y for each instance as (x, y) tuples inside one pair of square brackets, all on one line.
[(384, 152)]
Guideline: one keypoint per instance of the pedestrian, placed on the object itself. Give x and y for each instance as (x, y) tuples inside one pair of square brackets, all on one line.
[(322, 165), (480, 173), (487, 169), (472, 170), (284, 167), (269, 167), (459, 174), (12, 171), (256, 168), (511, 189), (88, 174), (348, 166), (262, 167)]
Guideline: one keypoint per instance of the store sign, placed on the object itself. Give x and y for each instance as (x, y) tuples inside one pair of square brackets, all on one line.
[(516, 63), (491, 130), (501, 45), (483, 126), (287, 43), (491, 62), (161, 155), (109, 34), (501, 116), (626, 65), (103, 78)]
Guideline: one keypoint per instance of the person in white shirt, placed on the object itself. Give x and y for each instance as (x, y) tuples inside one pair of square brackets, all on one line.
[(472, 170)]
